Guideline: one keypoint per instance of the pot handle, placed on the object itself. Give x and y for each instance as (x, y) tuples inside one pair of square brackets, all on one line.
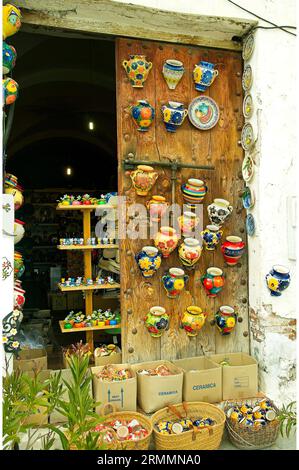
[(185, 112), (221, 232), (186, 278), (124, 64), (230, 208), (150, 64), (222, 248), (215, 72)]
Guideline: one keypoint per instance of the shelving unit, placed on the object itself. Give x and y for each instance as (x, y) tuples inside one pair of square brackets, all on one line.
[(85, 247), (87, 328), (93, 287)]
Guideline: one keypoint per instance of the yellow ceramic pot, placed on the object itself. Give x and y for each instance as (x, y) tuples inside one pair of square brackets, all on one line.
[(189, 252), (137, 69), (17, 196), (166, 240), (143, 179), (193, 320), (157, 207), (11, 20)]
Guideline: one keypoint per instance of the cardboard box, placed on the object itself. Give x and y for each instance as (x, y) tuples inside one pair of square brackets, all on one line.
[(30, 359), (155, 392), (40, 415), (113, 359), (202, 379), (123, 395), (240, 377)]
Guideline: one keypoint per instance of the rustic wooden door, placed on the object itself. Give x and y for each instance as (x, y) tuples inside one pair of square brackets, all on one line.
[(219, 147)]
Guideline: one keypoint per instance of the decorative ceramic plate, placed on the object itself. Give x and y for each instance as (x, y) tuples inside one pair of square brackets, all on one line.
[(247, 106), (250, 225), (247, 136), (248, 47), (247, 78), (203, 113), (247, 198), (247, 168)]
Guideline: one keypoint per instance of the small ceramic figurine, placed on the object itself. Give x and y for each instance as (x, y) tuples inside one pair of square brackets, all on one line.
[(204, 74), (278, 279), (193, 319), (9, 56), (157, 207), (232, 250), (173, 114), (11, 18), (213, 281), (10, 91), (143, 115), (189, 252), (156, 321), (188, 222), (143, 179), (173, 70), (166, 241), (211, 236), (219, 211), (226, 318), (148, 260), (194, 191), (137, 68), (174, 282)]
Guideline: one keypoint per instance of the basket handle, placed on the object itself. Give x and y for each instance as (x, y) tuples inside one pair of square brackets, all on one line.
[(197, 430), (185, 406), (175, 411)]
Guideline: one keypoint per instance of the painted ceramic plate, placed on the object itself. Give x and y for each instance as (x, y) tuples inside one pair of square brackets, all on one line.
[(247, 136), (247, 198), (247, 168), (250, 225), (247, 78), (248, 47), (203, 113), (247, 106)]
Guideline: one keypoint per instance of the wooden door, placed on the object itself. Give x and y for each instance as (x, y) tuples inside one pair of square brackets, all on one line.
[(219, 147)]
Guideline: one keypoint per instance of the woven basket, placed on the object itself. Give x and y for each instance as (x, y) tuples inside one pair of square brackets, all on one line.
[(245, 437), (208, 438), (141, 444)]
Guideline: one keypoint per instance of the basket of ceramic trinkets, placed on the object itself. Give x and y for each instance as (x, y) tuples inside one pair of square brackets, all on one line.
[(189, 425), (252, 424)]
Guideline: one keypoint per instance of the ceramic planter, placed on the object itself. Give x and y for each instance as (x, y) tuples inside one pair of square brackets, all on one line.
[(190, 252), (19, 230), (204, 74), (211, 236), (194, 191), (173, 70), (137, 69), (173, 114), (174, 282), (148, 260), (143, 179), (232, 250), (157, 207), (213, 281), (188, 222), (143, 115), (193, 319), (10, 91), (278, 279), (9, 56), (17, 195), (219, 211), (156, 321), (19, 297), (226, 319), (11, 17), (166, 241)]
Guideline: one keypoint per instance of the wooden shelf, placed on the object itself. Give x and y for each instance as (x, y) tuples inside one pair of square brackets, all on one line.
[(85, 247), (87, 328), (93, 287), (83, 207)]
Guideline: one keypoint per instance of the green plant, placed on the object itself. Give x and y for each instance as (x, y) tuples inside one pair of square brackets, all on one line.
[(287, 418)]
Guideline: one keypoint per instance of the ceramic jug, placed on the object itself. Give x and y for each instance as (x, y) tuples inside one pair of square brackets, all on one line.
[(219, 211), (190, 252), (188, 222), (278, 279), (143, 115), (137, 68), (232, 250), (156, 321), (10, 90), (211, 236), (193, 319), (173, 114), (213, 281), (204, 74), (226, 318), (173, 70), (174, 282), (148, 260), (143, 179), (194, 191), (166, 241), (157, 207)]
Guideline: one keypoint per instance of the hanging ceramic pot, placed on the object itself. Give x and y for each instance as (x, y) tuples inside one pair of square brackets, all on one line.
[(157, 207), (19, 266), (10, 91), (17, 193), (156, 321), (11, 20), (9, 56), (232, 250), (173, 114), (219, 211), (213, 281), (137, 68), (174, 282), (148, 260), (143, 115), (19, 297), (211, 236), (204, 74), (173, 70), (143, 179), (18, 230), (188, 222), (193, 319), (194, 191), (225, 319), (190, 252), (278, 279), (166, 241)]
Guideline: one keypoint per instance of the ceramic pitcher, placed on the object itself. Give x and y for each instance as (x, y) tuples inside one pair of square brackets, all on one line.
[(211, 236), (190, 252), (148, 260), (173, 114), (204, 74), (166, 241), (193, 319), (219, 211), (278, 279), (137, 68), (174, 282), (213, 281), (143, 179), (156, 321), (225, 318)]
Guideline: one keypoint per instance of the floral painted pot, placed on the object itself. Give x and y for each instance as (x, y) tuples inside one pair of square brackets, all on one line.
[(219, 211), (166, 241), (204, 74), (190, 252), (193, 319), (143, 179), (211, 236), (19, 230), (148, 260), (137, 68), (194, 191), (156, 321), (19, 297), (143, 115), (278, 279), (232, 250), (188, 222), (172, 71), (9, 56), (213, 281), (174, 282), (157, 207), (11, 18), (225, 319), (10, 91), (173, 114), (19, 266), (17, 195)]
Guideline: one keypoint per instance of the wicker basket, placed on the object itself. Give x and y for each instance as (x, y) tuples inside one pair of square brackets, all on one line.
[(208, 438), (141, 444), (245, 437)]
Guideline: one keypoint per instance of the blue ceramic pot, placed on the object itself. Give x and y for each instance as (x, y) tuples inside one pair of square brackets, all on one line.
[(148, 260), (278, 279), (174, 282), (204, 74), (173, 114)]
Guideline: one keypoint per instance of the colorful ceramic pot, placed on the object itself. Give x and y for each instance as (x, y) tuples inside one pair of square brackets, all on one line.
[(173, 114), (173, 70), (194, 191), (204, 74), (137, 68), (211, 236), (166, 241), (143, 114), (9, 56), (190, 252), (18, 230), (19, 297), (193, 320), (278, 279), (17, 195), (143, 179), (232, 250), (10, 91), (225, 319), (11, 20), (213, 281), (219, 211), (157, 207), (188, 222), (19, 267), (174, 282), (156, 321), (148, 260)]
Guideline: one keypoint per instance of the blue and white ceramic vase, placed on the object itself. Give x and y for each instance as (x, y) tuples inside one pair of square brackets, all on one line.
[(173, 70), (204, 74), (148, 260), (278, 279), (173, 114)]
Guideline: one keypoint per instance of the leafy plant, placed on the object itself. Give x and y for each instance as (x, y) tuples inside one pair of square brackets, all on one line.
[(288, 418)]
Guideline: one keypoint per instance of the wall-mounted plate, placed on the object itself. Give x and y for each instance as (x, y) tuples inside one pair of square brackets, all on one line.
[(247, 168), (247, 198), (248, 106), (248, 47), (250, 225), (203, 113), (247, 78), (247, 137)]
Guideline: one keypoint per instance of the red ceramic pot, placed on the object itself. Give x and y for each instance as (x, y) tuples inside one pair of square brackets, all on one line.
[(19, 297), (232, 250)]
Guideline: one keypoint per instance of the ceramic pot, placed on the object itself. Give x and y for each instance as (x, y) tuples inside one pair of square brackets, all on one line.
[(166, 241), (173, 114), (172, 71), (194, 191), (156, 321), (143, 115), (189, 252), (204, 74), (19, 266), (174, 282), (278, 279), (211, 236), (157, 207), (143, 179), (226, 319), (193, 320), (9, 56), (148, 260), (232, 250), (10, 91), (188, 222), (219, 211), (19, 297), (213, 281), (137, 68), (17, 195), (11, 17), (18, 230)]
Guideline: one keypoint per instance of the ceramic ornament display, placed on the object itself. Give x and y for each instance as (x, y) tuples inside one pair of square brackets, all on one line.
[(137, 69), (203, 75), (278, 279), (203, 113), (173, 70), (173, 114), (10, 91), (9, 56), (11, 20), (143, 115)]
